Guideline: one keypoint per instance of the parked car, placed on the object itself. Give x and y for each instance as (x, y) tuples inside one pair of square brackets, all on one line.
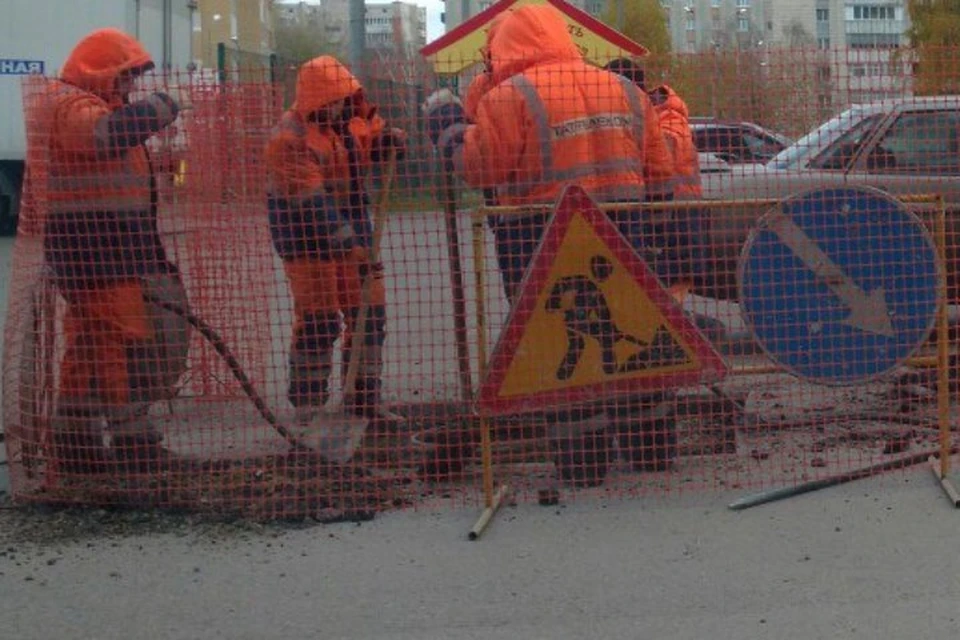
[(736, 142), (904, 146)]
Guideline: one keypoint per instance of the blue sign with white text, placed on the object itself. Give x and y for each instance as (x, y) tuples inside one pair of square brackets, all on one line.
[(840, 285), (9, 67)]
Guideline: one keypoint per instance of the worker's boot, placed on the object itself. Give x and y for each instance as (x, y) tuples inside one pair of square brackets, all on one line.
[(366, 402), (310, 365), (78, 447), (137, 447), (647, 432), (365, 398), (581, 448)]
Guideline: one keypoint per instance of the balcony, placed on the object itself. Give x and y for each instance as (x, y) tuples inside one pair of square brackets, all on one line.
[(885, 27)]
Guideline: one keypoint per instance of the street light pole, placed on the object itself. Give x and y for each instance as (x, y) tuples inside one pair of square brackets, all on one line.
[(358, 36)]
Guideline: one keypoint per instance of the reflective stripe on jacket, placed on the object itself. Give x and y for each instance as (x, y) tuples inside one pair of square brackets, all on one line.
[(553, 119), (86, 171)]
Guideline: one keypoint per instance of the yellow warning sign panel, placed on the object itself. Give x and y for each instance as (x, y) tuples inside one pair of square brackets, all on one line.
[(591, 320), (459, 49)]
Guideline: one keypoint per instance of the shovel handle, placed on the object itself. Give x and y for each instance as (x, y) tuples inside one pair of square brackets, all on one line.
[(357, 338)]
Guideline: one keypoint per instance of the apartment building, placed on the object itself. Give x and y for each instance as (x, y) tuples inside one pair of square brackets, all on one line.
[(387, 25), (244, 26), (859, 40), (456, 12), (395, 24)]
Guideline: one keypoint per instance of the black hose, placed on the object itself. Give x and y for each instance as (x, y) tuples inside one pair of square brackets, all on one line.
[(210, 334)]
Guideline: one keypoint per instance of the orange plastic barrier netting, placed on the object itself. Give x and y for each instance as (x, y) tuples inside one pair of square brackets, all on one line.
[(176, 335)]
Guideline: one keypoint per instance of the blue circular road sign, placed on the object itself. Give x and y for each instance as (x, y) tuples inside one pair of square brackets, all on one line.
[(839, 285)]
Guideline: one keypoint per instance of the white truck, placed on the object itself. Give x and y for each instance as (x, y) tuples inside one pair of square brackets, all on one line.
[(37, 35)]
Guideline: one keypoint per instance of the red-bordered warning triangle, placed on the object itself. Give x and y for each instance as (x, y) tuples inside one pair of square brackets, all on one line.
[(591, 321), (460, 47)]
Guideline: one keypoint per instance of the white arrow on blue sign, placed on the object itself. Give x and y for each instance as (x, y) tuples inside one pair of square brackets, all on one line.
[(839, 286)]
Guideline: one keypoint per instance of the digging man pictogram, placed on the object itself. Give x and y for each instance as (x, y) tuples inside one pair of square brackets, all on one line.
[(586, 314)]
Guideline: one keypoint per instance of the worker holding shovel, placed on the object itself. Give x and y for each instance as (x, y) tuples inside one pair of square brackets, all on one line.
[(321, 228)]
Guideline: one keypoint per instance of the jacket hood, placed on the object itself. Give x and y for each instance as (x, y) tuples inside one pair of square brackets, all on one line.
[(321, 81), (475, 92), (530, 35), (100, 57), (495, 23), (672, 101)]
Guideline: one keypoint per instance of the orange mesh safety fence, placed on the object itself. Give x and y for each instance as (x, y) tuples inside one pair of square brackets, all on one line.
[(728, 278)]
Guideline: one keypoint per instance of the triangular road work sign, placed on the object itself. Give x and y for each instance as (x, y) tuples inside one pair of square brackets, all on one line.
[(460, 47), (591, 321)]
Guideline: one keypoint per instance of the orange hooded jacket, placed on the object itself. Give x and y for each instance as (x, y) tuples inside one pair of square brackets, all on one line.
[(92, 166), (100, 234), (482, 83), (553, 119), (675, 121), (100, 227), (303, 157)]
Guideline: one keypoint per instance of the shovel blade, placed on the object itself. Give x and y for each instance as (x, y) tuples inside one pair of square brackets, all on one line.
[(335, 435)]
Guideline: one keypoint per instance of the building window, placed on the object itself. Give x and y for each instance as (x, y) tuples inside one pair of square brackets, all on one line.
[(743, 25), (873, 40), (874, 12), (823, 43), (823, 15), (743, 4), (715, 4), (595, 7), (691, 22)]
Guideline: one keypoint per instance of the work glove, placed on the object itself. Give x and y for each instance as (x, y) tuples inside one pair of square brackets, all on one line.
[(393, 142), (167, 108), (181, 95), (446, 120), (367, 269), (658, 96), (178, 98)]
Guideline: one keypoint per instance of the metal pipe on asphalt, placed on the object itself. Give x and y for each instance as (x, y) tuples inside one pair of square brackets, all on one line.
[(788, 492)]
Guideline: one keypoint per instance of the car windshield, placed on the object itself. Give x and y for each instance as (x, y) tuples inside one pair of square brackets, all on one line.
[(819, 138)]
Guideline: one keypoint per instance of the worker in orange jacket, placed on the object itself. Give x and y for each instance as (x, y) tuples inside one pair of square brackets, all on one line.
[(551, 119), (537, 130), (675, 121), (672, 244), (687, 229), (676, 237), (102, 244), (316, 162)]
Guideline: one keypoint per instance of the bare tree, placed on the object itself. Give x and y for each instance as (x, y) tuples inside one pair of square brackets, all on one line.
[(297, 42), (796, 36)]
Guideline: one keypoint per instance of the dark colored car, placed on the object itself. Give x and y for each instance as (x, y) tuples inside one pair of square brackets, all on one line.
[(736, 142)]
